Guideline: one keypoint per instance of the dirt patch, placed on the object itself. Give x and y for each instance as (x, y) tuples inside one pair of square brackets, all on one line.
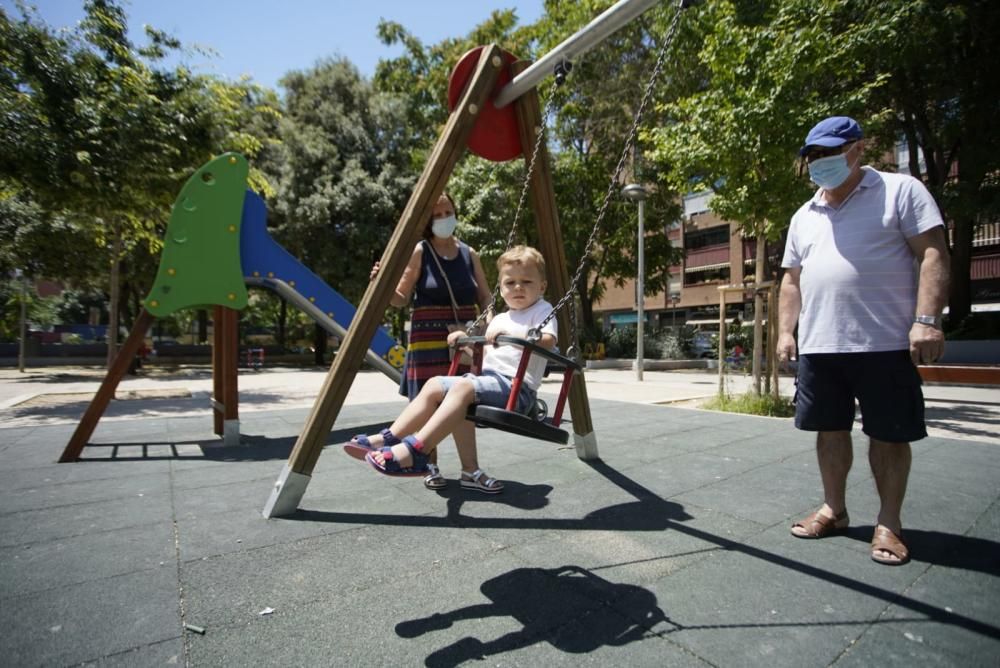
[(59, 398)]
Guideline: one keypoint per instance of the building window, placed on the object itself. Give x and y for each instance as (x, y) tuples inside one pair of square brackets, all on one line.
[(714, 236)]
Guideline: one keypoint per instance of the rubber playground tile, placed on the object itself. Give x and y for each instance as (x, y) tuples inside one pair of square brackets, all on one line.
[(74, 624), (734, 610), (206, 535), (229, 590), (755, 494), (958, 626), (168, 652), (67, 521), (41, 566), (103, 488), (639, 558)]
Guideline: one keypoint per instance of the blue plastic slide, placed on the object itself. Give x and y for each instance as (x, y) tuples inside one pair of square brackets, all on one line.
[(267, 264)]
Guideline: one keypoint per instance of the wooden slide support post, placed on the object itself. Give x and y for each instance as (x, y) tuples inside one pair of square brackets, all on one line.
[(291, 484), (106, 392), (225, 383), (218, 357), (543, 200)]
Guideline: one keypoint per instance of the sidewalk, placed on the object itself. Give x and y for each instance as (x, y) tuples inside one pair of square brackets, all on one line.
[(60, 395), (673, 549)]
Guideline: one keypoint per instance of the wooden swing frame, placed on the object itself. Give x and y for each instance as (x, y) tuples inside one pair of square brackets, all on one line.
[(294, 478)]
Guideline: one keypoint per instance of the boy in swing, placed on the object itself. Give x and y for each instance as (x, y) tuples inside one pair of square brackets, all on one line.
[(444, 400)]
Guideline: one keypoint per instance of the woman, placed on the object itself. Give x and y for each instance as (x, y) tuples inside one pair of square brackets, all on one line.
[(427, 353)]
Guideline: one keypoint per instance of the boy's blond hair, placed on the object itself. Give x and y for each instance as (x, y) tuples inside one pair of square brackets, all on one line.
[(522, 255)]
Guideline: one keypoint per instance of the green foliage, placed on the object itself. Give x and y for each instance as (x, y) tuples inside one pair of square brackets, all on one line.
[(663, 344), (421, 74), (345, 172), (752, 404), (96, 138), (593, 113), (768, 76)]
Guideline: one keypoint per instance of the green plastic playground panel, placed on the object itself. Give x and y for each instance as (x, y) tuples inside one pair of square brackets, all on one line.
[(200, 263)]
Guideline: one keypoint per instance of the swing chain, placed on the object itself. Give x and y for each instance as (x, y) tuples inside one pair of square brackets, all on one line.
[(626, 151), (561, 70)]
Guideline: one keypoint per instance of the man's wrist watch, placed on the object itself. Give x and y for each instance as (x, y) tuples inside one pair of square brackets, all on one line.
[(929, 320)]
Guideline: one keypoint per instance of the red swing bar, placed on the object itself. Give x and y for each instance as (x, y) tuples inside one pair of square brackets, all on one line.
[(571, 368)]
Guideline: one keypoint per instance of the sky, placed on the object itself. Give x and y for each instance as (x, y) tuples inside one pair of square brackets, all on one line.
[(267, 38)]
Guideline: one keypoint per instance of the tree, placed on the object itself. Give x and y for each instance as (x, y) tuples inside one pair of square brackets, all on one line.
[(100, 139), (946, 110), (345, 172), (768, 71), (593, 114)]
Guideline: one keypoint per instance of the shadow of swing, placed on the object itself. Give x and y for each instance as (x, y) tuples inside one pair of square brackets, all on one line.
[(541, 599), (648, 512)]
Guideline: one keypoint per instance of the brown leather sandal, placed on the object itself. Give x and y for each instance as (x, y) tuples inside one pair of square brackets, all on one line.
[(818, 525), (886, 541)]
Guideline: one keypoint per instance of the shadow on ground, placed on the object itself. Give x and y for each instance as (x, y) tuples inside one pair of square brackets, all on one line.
[(543, 600), (250, 449), (648, 512), (963, 418)]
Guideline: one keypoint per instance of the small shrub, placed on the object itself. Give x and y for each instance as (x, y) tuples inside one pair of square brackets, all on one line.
[(621, 342), (752, 404)]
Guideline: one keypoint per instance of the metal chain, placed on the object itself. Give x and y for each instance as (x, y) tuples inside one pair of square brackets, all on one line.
[(629, 143), (549, 106)]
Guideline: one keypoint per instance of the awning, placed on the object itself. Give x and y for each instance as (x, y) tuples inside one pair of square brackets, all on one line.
[(706, 267), (622, 318)]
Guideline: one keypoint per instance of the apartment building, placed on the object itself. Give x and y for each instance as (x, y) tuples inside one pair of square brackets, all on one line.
[(716, 254)]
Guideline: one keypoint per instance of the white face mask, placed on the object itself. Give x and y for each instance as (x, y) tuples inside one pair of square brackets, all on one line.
[(444, 227)]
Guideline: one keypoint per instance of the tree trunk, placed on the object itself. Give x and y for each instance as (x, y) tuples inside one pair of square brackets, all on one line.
[(282, 321), (960, 290), (758, 310), (114, 292), (202, 325), (319, 345)]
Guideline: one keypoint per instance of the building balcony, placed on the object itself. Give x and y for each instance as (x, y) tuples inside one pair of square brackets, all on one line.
[(706, 258)]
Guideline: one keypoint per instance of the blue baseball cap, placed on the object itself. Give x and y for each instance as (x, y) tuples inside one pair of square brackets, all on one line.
[(833, 131)]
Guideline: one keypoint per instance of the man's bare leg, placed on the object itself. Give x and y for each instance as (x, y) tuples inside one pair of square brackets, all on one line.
[(835, 455), (890, 464)]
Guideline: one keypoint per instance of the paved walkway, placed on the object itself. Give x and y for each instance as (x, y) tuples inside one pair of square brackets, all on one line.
[(672, 549)]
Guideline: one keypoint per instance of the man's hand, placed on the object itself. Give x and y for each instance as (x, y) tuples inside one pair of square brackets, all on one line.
[(926, 343), (374, 271), (786, 347)]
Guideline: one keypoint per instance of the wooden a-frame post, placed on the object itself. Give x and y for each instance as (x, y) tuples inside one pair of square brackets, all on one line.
[(294, 478), (543, 200), (106, 392)]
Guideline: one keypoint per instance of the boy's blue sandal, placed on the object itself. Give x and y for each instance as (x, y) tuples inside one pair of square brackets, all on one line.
[(359, 446), (393, 468)]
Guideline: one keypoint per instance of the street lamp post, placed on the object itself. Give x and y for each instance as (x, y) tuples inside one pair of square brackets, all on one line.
[(636, 193), (22, 351)]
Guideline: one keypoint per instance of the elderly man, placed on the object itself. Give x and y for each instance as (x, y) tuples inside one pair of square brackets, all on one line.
[(866, 278)]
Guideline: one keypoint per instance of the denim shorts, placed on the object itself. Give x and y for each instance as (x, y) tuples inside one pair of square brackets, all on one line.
[(492, 389), (885, 384)]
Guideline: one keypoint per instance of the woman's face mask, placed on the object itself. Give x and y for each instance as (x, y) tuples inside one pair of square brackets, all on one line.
[(444, 227)]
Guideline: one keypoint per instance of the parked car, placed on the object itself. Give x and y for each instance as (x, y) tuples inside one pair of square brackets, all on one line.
[(702, 346)]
